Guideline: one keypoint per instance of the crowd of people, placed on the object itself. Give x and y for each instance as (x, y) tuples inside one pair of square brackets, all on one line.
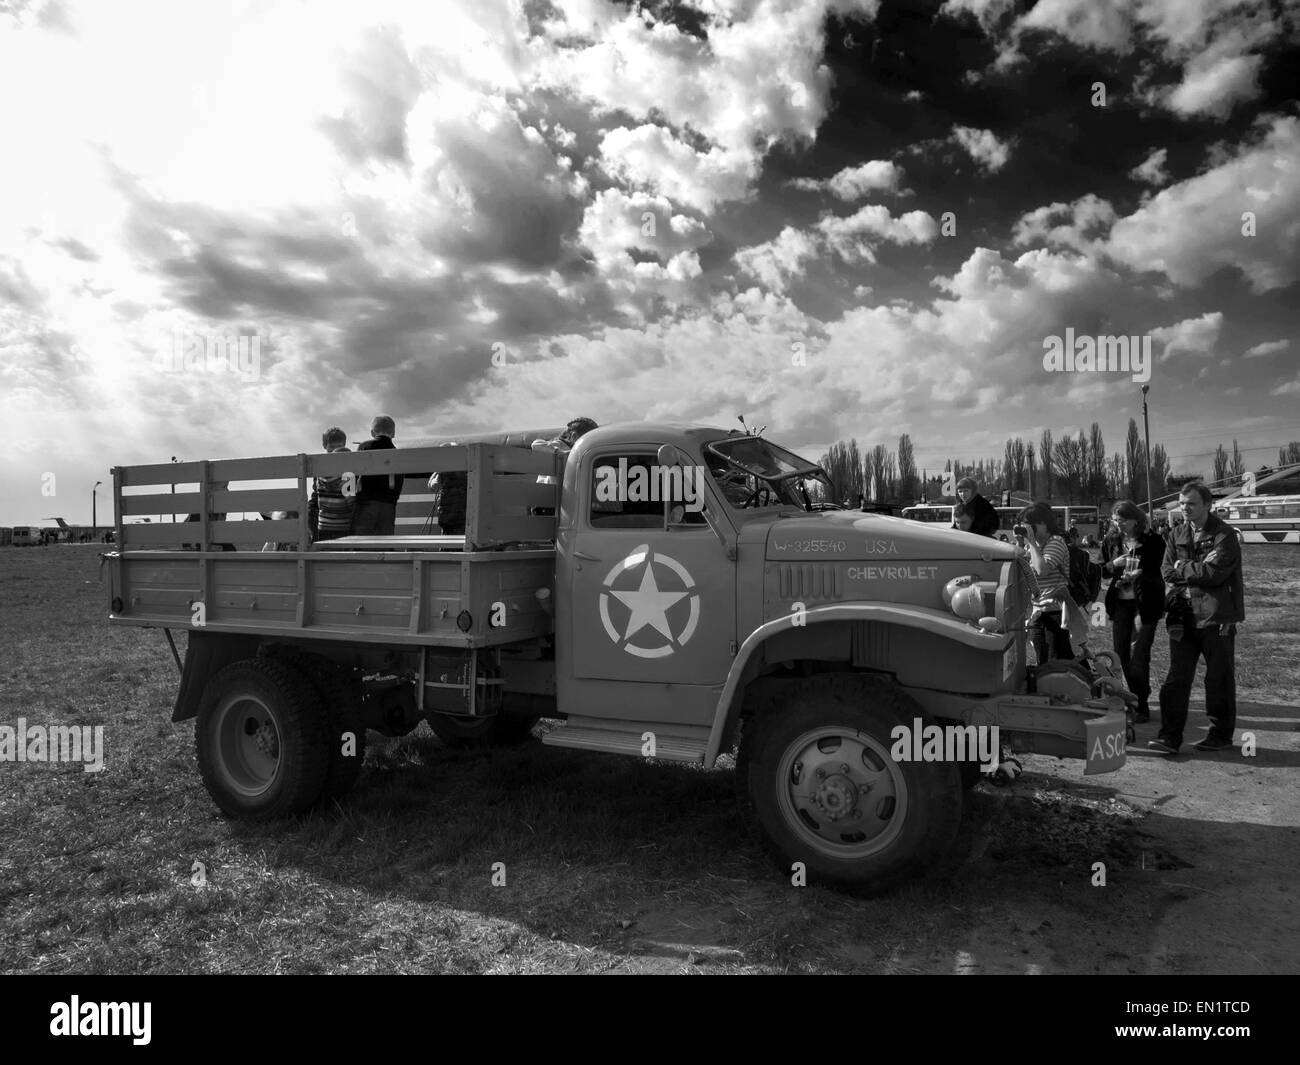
[(1189, 575)]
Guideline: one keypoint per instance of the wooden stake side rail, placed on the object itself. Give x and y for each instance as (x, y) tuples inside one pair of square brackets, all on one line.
[(404, 589), (394, 597), (504, 502)]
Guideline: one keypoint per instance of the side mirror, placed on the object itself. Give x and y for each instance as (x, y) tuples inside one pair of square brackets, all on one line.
[(667, 455)]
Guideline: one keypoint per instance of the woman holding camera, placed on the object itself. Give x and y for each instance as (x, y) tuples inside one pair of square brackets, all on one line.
[(1039, 537), (1131, 557)]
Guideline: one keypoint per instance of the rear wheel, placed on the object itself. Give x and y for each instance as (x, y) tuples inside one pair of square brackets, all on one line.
[(816, 775), (339, 693), (261, 741)]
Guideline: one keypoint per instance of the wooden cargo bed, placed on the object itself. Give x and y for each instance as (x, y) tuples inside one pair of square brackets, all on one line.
[(476, 590)]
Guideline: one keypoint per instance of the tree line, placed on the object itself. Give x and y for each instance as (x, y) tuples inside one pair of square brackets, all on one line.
[(1073, 469)]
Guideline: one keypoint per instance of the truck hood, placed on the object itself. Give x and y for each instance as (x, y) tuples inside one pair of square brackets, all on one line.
[(848, 534)]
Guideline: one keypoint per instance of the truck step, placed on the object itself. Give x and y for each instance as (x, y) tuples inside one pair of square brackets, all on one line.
[(672, 743)]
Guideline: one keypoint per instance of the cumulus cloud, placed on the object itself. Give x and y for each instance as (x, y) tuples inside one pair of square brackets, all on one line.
[(1268, 347), (1151, 170), (753, 78), (1079, 225), (615, 222), (1193, 336), (854, 182), (1215, 45), (1191, 229), (985, 148), (855, 237), (651, 157), (778, 260)]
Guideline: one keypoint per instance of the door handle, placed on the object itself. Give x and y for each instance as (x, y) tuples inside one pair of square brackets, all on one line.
[(585, 557)]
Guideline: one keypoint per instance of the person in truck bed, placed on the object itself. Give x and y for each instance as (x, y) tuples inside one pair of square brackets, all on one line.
[(376, 513), (563, 443), (331, 509)]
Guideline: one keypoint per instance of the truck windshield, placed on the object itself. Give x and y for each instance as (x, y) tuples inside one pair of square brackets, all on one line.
[(752, 472)]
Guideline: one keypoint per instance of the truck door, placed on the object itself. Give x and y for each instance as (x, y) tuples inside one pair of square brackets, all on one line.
[(652, 601)]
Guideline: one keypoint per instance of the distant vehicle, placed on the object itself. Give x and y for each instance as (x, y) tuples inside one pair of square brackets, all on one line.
[(935, 512), (26, 536), (6, 536), (1085, 519), (1263, 519)]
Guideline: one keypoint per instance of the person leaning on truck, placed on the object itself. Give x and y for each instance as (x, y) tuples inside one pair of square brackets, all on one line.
[(984, 519), (563, 443), (377, 493), (1202, 566), (330, 510)]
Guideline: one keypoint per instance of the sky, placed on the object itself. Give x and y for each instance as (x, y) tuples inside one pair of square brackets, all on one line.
[(227, 226)]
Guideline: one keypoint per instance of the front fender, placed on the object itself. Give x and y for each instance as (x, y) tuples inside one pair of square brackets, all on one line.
[(747, 660)]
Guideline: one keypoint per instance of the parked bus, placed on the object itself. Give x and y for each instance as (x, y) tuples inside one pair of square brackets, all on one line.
[(1263, 519), (1085, 519), (26, 535)]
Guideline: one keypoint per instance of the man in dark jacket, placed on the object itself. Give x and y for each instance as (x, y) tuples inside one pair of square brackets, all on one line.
[(1206, 599), (984, 519), (376, 513)]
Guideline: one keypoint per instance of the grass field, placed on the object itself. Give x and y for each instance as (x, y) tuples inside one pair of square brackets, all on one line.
[(610, 864)]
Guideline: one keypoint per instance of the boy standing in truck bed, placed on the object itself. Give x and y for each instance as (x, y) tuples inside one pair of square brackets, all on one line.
[(376, 513)]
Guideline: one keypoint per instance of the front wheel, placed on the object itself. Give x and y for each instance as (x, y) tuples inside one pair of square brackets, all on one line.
[(815, 771), (261, 741)]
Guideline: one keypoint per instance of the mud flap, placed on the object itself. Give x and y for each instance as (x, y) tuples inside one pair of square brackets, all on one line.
[(205, 654)]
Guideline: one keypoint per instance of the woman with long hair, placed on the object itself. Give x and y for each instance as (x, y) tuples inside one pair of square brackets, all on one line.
[(1039, 537), (1131, 557)]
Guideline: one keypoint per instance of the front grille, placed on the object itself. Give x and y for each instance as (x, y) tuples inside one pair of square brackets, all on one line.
[(808, 581)]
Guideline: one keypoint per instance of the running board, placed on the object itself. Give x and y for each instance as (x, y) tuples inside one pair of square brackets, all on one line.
[(642, 739)]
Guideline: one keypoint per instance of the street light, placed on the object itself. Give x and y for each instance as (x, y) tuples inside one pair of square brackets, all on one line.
[(173, 493), (93, 513), (1146, 428)]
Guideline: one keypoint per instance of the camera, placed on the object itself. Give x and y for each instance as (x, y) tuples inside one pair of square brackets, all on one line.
[(1020, 530)]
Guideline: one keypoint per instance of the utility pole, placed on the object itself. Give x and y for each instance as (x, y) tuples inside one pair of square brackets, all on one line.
[(93, 514), (1146, 428)]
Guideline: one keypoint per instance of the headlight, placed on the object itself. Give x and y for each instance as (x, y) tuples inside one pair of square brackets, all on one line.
[(954, 586), (968, 602)]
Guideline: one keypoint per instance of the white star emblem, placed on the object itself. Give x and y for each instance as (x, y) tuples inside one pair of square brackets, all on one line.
[(648, 606)]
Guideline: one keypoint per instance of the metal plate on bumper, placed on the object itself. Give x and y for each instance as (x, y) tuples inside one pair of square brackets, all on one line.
[(1106, 742)]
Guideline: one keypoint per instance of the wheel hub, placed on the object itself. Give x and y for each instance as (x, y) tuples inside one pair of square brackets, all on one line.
[(837, 796), (841, 793), (265, 738)]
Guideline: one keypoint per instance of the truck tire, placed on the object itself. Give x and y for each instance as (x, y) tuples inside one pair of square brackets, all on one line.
[(499, 730), (339, 694), (261, 740), (836, 729)]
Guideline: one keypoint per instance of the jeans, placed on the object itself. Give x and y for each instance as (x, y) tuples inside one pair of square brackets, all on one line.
[(1047, 627), (1134, 654), (374, 518), (1220, 683)]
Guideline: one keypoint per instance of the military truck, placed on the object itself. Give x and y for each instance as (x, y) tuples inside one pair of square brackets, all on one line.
[(723, 611)]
